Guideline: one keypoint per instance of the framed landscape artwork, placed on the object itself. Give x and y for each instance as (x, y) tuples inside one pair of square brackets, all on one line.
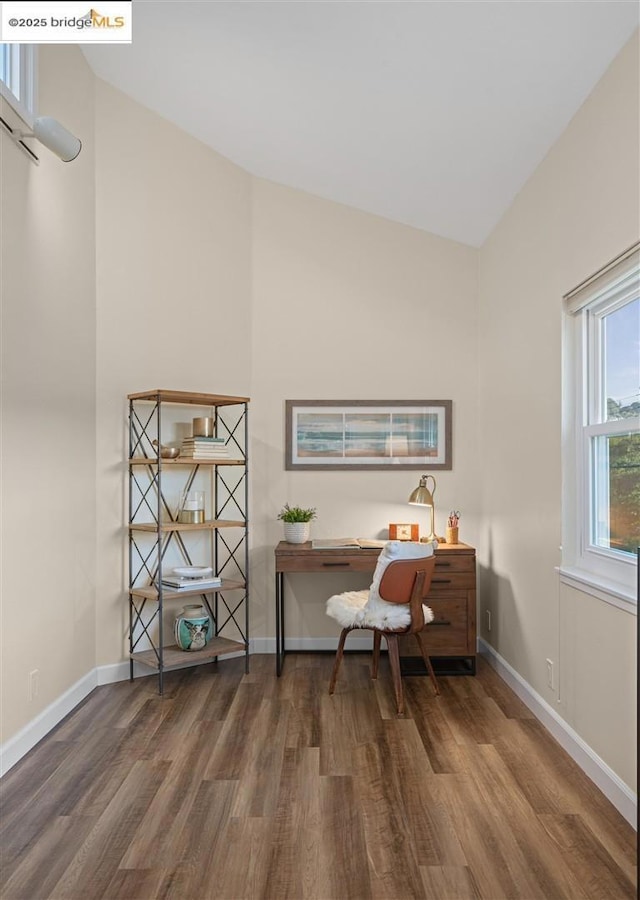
[(368, 434)]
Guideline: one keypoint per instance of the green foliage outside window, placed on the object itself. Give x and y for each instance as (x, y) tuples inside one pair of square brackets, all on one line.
[(624, 492)]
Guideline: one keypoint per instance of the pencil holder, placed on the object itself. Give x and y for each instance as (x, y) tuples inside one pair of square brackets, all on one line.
[(452, 535)]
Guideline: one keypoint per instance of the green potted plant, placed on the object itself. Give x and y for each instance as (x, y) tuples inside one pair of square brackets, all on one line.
[(297, 523)]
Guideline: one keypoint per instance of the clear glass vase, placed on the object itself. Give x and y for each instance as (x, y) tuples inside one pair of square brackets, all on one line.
[(191, 508)]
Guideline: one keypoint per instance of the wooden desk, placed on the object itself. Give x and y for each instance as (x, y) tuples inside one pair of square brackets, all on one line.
[(452, 634)]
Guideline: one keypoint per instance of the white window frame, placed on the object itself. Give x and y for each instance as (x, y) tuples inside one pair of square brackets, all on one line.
[(607, 573), (19, 89)]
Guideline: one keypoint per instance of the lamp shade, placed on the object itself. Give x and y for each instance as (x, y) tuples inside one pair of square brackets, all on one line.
[(422, 496)]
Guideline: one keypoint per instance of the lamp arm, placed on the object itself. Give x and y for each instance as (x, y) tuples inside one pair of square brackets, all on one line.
[(426, 479)]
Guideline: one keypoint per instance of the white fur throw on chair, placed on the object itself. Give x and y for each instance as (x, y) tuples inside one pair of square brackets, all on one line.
[(366, 609)]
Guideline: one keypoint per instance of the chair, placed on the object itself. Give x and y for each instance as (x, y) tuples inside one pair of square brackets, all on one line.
[(392, 606)]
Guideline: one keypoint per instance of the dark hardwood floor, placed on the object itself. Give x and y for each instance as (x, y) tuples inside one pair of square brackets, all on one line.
[(248, 786)]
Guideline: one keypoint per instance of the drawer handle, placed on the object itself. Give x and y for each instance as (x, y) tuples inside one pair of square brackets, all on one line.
[(440, 581), (442, 565), (334, 564), (440, 622)]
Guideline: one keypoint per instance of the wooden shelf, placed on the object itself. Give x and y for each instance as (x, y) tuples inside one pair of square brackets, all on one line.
[(175, 658), (183, 461), (166, 527), (151, 593), (195, 399)]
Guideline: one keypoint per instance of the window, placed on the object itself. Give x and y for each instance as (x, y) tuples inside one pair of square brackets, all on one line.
[(17, 79), (614, 407), (601, 453)]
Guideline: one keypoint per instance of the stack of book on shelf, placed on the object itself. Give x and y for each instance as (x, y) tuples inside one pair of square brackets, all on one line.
[(204, 448), (180, 583)]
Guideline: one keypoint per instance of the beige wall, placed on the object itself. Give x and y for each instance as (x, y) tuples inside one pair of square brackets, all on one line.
[(173, 300), (578, 210), (47, 294), (347, 305), (199, 290)]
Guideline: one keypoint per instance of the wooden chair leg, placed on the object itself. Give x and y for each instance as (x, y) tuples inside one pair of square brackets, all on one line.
[(422, 643), (339, 655), (394, 660), (377, 637)]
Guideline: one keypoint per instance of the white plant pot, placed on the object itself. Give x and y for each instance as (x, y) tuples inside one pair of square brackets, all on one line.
[(296, 532)]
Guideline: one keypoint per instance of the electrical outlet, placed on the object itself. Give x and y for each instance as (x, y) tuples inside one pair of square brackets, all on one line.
[(550, 679), (34, 684), (488, 615)]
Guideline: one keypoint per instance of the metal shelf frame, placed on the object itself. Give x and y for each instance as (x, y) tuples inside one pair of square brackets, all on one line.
[(153, 528)]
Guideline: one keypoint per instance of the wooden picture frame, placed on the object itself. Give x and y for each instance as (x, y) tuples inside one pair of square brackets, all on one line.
[(405, 531), (368, 434)]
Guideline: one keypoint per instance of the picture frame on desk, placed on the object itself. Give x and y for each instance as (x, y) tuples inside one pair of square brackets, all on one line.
[(368, 434)]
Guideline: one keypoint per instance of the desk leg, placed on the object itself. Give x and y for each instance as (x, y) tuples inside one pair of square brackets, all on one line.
[(280, 651)]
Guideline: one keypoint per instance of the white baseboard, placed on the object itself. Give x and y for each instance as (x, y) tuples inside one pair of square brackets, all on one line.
[(114, 672), (621, 795), (302, 645), (19, 745), (120, 671)]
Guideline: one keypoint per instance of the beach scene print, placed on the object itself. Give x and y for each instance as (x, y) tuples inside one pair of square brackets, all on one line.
[(354, 435)]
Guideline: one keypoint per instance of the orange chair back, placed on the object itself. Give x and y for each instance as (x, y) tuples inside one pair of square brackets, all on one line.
[(399, 578), (408, 581)]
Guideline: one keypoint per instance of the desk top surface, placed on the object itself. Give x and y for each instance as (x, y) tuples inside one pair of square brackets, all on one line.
[(284, 548)]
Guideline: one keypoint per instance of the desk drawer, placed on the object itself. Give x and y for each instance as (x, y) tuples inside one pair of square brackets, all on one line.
[(444, 581), (448, 634), (449, 563), (319, 562)]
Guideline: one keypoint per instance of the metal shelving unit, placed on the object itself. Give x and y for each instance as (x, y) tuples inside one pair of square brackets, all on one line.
[(155, 534)]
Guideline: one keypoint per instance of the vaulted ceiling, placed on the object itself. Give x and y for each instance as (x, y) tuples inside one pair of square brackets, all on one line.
[(433, 114)]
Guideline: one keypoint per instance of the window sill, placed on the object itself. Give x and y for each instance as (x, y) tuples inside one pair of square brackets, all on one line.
[(610, 592)]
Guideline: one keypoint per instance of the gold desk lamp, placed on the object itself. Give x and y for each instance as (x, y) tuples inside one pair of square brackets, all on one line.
[(423, 496)]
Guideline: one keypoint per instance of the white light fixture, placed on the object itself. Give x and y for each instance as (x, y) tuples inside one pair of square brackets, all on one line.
[(51, 134), (56, 138)]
